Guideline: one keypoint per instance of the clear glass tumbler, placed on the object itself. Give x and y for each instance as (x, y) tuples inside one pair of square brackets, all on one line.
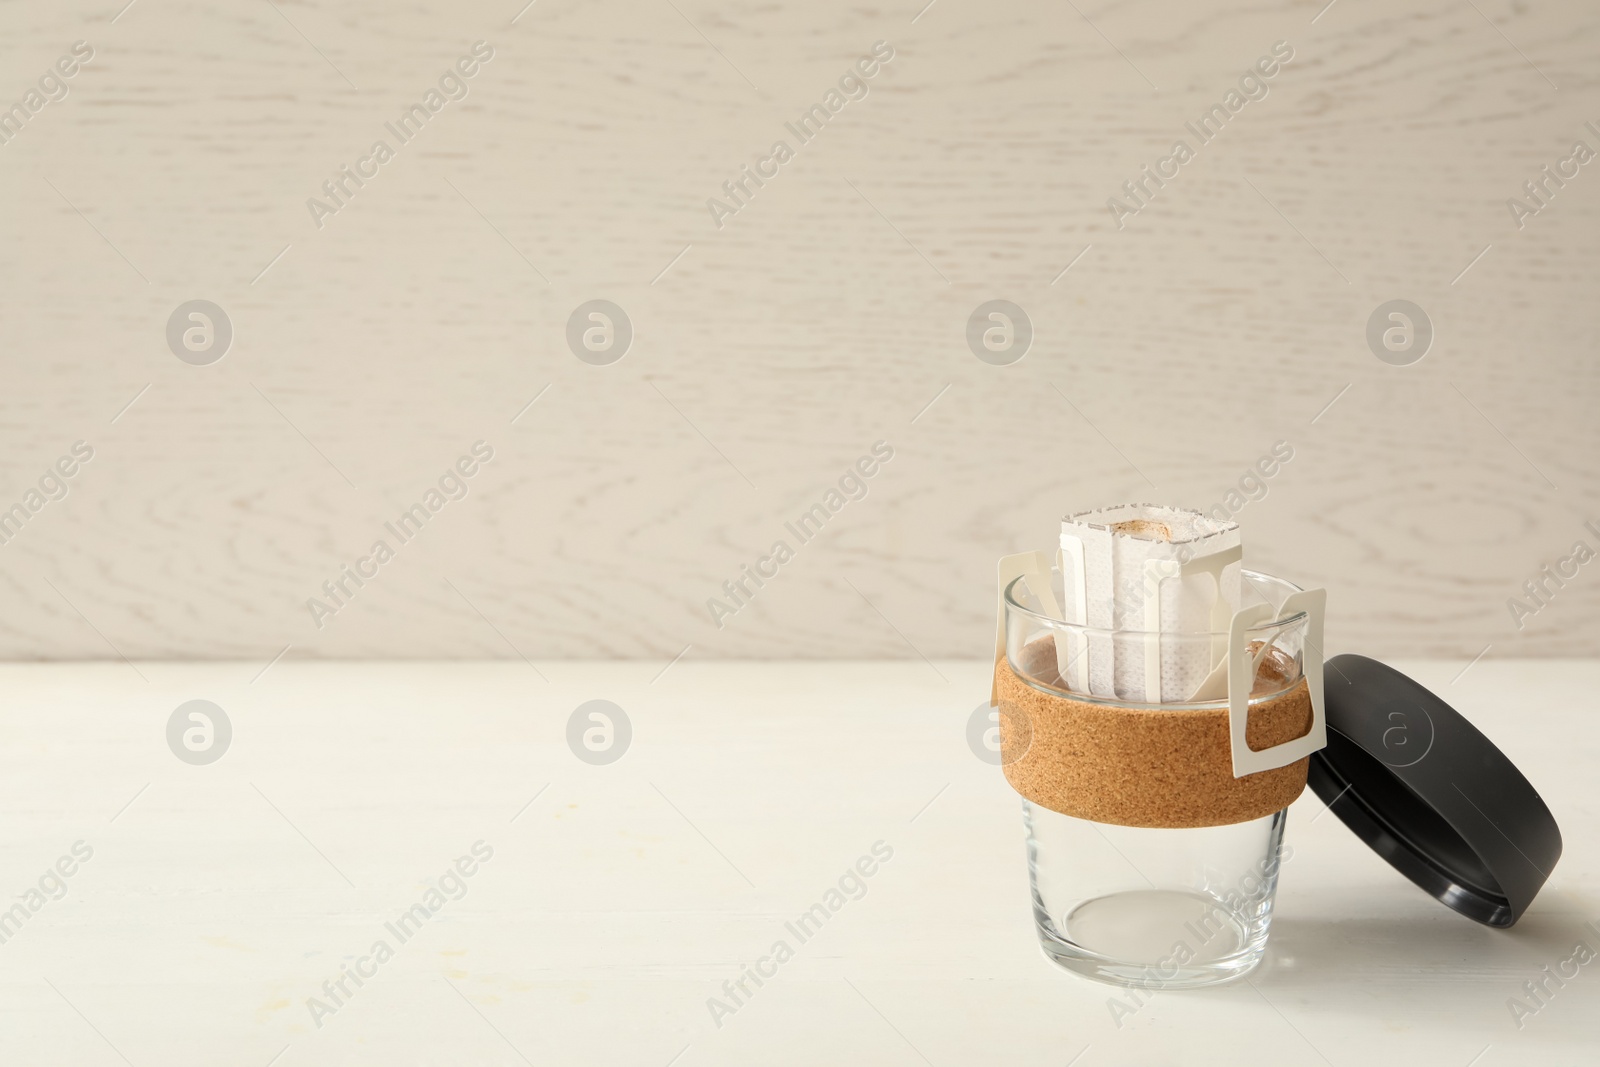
[(1153, 908)]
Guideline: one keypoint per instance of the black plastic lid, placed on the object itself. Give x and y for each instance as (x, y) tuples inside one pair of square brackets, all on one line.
[(1431, 794)]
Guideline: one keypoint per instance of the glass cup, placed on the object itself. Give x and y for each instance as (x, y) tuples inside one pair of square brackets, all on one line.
[(1153, 908)]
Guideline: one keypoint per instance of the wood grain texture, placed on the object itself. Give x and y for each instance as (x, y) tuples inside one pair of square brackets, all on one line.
[(822, 317)]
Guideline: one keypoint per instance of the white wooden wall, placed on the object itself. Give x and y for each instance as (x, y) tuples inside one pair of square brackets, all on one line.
[(770, 353)]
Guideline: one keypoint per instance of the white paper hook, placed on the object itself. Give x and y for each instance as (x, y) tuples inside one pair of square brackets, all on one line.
[(1241, 678)]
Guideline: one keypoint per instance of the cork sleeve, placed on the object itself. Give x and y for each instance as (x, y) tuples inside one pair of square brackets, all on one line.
[(1156, 767)]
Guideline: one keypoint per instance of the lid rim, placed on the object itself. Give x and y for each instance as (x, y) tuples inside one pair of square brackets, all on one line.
[(1403, 854)]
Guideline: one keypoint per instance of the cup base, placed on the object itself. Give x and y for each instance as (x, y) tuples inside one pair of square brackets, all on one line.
[(1152, 939)]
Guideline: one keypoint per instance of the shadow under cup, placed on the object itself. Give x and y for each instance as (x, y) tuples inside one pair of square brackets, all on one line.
[(1147, 906)]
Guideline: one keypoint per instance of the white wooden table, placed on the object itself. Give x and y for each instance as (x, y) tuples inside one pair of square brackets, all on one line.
[(219, 898)]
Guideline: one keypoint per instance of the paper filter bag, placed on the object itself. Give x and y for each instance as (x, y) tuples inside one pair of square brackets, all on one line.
[(1165, 571)]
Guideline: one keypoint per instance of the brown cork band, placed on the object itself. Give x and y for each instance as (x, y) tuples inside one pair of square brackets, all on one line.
[(1159, 767)]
